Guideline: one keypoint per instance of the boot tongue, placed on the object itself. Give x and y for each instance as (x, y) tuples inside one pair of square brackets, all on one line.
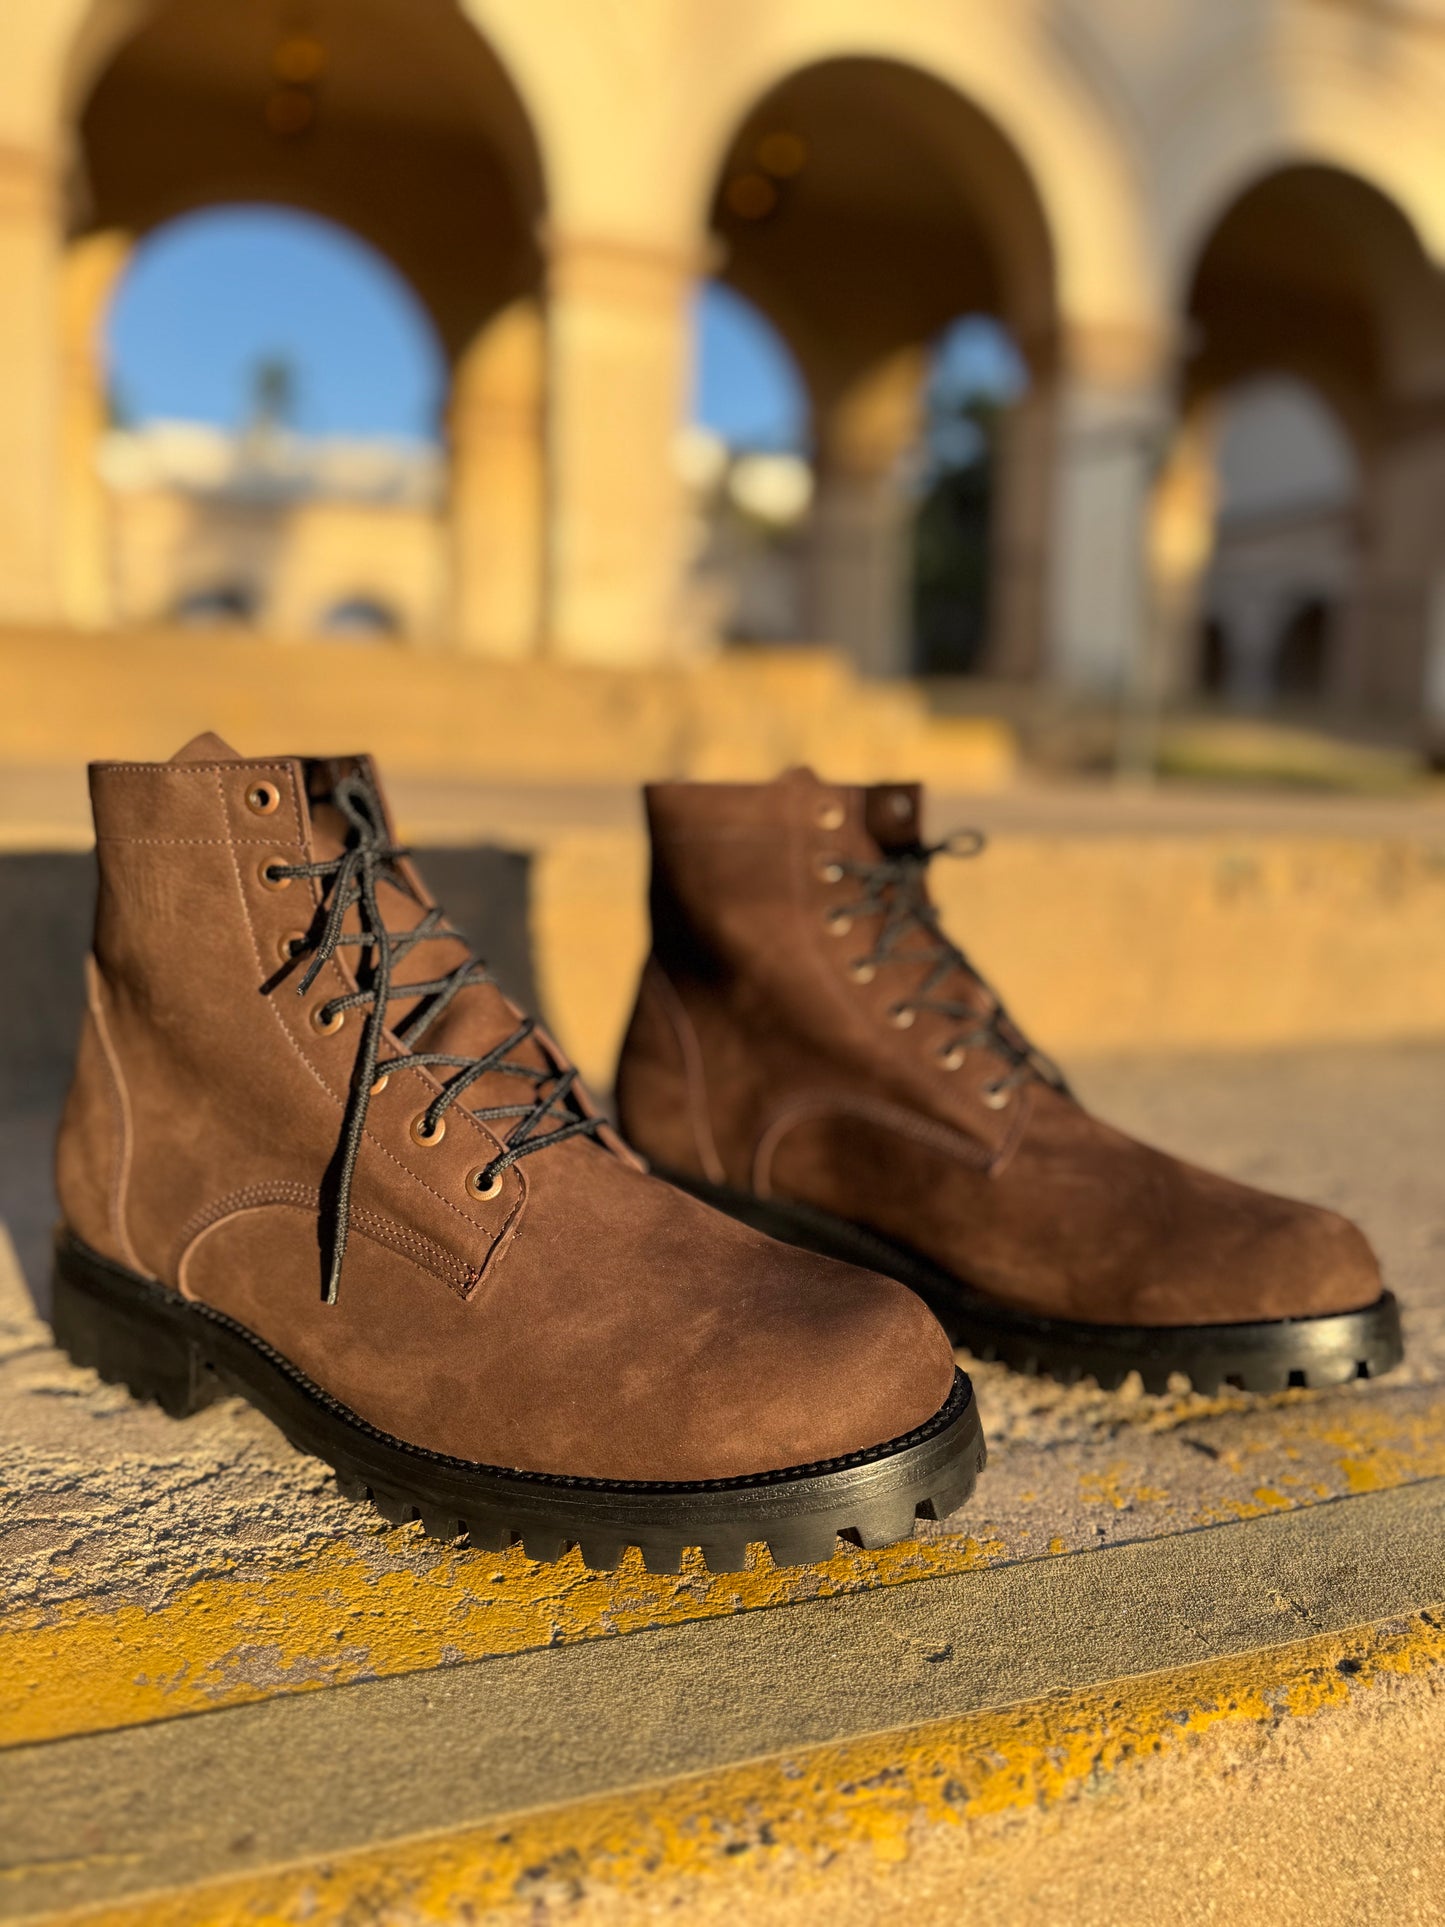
[(207, 748)]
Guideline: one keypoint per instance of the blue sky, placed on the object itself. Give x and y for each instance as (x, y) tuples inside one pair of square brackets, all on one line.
[(212, 294)]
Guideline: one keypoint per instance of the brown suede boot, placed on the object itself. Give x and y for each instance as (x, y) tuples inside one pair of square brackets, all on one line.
[(312, 1155), (810, 1051)]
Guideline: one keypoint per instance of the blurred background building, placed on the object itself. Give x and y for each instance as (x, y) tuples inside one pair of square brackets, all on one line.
[(1093, 352)]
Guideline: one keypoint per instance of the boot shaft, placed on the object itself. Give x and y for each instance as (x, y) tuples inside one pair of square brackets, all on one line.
[(792, 934)]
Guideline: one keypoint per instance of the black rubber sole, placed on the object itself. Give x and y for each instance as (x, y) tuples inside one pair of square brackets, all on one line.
[(185, 1355), (1269, 1355)]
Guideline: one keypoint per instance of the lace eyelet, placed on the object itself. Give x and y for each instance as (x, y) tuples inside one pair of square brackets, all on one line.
[(830, 816), (327, 1021), (269, 882), (427, 1138), (902, 1017), (994, 1097), (482, 1187), (263, 799), (829, 870), (288, 948), (381, 1083), (952, 1060), (839, 923), (861, 971)]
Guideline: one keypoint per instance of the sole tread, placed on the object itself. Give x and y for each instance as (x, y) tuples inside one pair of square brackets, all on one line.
[(138, 1334)]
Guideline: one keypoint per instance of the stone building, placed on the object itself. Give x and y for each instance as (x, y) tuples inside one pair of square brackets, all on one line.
[(1162, 201)]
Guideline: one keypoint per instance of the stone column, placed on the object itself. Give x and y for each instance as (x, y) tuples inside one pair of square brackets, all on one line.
[(498, 488), (860, 540), (90, 269), (1181, 543), (1019, 534), (1110, 428), (618, 345), (30, 545)]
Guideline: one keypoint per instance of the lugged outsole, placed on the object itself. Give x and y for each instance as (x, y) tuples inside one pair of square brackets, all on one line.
[(1267, 1355), (184, 1355)]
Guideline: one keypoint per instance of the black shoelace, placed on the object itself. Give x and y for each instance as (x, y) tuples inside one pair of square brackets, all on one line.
[(895, 890), (352, 879)]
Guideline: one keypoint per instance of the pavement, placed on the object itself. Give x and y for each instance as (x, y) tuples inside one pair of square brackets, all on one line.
[(1177, 1652)]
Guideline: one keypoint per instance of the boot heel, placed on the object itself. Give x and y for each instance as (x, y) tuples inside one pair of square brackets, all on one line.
[(136, 1344)]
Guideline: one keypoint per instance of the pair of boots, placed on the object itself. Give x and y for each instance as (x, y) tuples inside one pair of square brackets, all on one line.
[(314, 1156)]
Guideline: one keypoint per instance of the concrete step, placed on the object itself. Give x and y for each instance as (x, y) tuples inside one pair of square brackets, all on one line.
[(1178, 1652)]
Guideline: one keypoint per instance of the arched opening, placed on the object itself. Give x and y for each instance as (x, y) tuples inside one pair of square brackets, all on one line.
[(273, 392), (1315, 321), (397, 124), (863, 208)]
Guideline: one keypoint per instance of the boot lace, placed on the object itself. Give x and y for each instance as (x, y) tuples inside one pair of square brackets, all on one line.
[(896, 891), (352, 880)]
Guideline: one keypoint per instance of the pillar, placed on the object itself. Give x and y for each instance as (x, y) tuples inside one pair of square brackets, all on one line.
[(1110, 430), (1181, 545), (860, 539), (90, 269), (618, 346), (1019, 535), (30, 546), (498, 490)]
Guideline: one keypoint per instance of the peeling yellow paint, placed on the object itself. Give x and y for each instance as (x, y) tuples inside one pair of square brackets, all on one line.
[(341, 1615), (816, 1818), (1107, 1488), (393, 1603)]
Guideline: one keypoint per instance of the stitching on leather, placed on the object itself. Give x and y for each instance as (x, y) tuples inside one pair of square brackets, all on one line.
[(120, 1173), (937, 1137), (694, 1074), (287, 1194), (476, 1230), (1015, 1136)]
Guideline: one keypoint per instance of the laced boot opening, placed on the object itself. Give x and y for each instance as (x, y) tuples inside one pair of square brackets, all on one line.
[(549, 1110)]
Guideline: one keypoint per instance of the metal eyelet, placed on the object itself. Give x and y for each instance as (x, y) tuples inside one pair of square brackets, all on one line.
[(831, 816), (861, 971), (994, 1097), (327, 1021), (952, 1059), (381, 1083), (426, 1138), (902, 1017), (829, 870), (263, 799), (480, 1186), (839, 923), (900, 806), (288, 948), (268, 882)]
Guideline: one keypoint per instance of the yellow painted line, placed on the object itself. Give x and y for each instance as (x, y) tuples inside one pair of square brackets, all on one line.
[(394, 1603), (812, 1822), (343, 1615)]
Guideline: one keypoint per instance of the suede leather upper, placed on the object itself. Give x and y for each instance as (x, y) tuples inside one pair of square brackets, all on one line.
[(756, 1058), (588, 1321)]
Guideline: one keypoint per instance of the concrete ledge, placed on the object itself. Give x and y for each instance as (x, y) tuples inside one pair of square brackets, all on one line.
[(990, 1690)]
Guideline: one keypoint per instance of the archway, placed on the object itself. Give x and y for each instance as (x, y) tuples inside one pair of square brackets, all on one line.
[(274, 387), (399, 123), (864, 205), (1314, 278)]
